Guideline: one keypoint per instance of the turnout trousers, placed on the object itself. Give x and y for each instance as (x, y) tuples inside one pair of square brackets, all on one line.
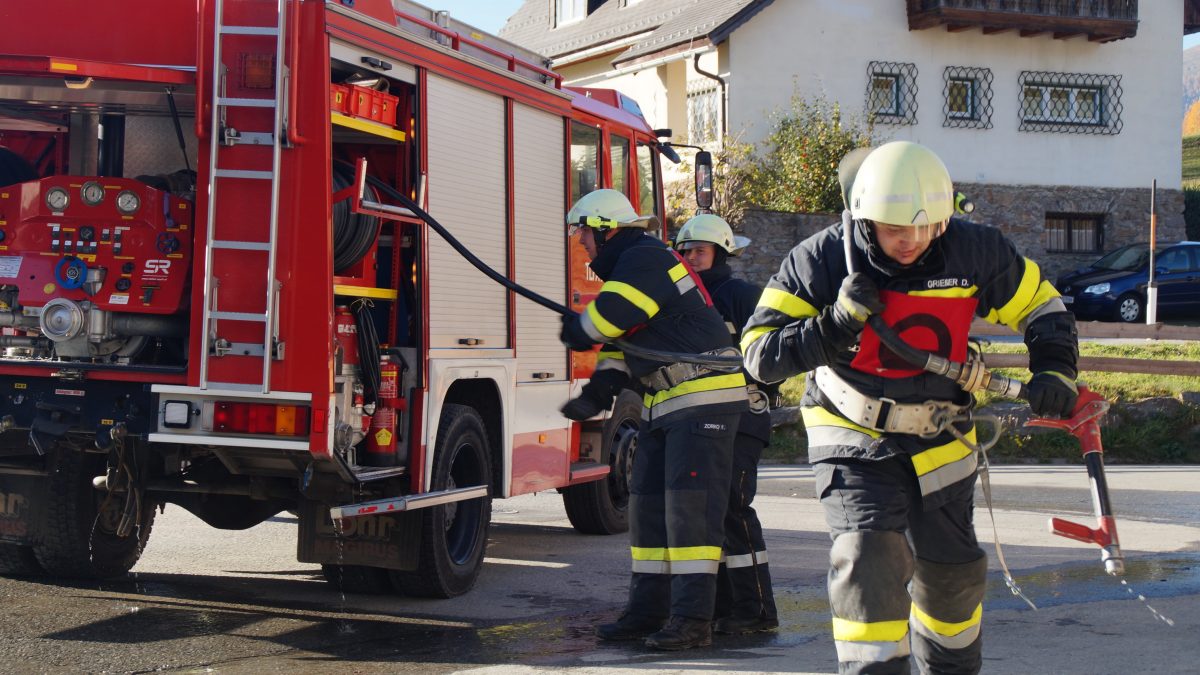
[(903, 581), (678, 495), (744, 581)]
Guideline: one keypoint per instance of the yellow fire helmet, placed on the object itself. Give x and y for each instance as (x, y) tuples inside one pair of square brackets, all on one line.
[(605, 209), (707, 228), (903, 183)]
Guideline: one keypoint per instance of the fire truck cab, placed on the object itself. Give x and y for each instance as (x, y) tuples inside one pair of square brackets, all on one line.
[(212, 296)]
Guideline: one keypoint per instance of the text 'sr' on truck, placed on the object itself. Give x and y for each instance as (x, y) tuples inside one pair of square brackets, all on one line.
[(210, 296)]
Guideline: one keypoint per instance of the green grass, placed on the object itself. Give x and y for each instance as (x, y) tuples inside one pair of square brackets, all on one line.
[(1166, 438), (1191, 161)]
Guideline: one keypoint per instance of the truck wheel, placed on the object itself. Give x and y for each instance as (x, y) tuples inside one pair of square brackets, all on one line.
[(79, 539), (602, 507), (454, 535), (18, 561), (358, 578)]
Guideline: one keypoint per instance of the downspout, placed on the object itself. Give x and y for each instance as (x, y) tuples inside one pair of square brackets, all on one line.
[(721, 82)]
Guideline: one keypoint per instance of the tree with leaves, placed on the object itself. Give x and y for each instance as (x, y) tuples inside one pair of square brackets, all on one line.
[(1191, 120)]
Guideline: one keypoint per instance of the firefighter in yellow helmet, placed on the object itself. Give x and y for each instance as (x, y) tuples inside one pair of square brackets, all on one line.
[(681, 471), (896, 483), (745, 600)]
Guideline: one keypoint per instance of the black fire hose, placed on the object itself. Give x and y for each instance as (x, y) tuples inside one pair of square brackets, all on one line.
[(729, 364)]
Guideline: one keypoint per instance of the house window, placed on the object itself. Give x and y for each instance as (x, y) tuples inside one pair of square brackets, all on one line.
[(704, 113), (1074, 232), (960, 99), (1070, 103), (885, 95), (892, 92), (569, 11), (968, 96)]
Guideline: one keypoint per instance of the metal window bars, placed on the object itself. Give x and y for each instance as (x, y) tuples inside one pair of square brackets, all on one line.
[(967, 97), (891, 92), (1070, 103)]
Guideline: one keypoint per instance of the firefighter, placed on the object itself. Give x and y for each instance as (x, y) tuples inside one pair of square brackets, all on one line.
[(681, 472), (745, 602), (899, 505)]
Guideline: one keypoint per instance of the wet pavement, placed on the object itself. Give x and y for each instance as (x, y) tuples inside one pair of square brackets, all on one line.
[(204, 600)]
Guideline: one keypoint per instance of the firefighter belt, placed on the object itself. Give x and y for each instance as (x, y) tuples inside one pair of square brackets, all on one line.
[(666, 377), (759, 401), (926, 419)]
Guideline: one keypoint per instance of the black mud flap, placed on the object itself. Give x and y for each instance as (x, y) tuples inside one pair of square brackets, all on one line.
[(388, 541), (20, 518)]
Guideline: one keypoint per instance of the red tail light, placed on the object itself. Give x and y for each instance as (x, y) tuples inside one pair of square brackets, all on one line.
[(261, 418)]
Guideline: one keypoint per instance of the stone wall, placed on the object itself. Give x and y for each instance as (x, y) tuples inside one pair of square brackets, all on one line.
[(1018, 210)]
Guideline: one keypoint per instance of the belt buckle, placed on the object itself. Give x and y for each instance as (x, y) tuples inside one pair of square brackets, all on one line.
[(886, 408)]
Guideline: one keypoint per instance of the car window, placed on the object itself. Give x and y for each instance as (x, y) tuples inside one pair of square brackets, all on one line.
[(1174, 260), (1127, 258)]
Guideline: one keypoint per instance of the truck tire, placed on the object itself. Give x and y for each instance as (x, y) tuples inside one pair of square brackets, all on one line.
[(454, 535), (78, 540), (358, 578), (602, 507), (18, 561)]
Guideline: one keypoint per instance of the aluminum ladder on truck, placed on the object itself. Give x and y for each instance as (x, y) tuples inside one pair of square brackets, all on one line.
[(216, 249)]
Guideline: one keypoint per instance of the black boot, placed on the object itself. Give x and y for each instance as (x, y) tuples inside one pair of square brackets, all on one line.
[(737, 625), (629, 627), (682, 632)]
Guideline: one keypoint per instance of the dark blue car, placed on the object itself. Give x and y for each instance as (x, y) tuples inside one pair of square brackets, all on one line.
[(1114, 287)]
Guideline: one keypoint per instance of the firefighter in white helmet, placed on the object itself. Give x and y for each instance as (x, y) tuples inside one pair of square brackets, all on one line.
[(899, 504), (680, 476), (745, 601)]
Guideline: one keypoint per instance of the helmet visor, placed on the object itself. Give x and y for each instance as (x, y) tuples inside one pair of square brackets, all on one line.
[(916, 234)]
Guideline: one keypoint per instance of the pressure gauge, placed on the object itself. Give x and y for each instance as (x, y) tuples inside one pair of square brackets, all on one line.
[(57, 198), (92, 193), (128, 202)]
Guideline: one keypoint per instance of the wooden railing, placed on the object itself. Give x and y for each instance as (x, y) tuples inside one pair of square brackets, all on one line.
[(1101, 330)]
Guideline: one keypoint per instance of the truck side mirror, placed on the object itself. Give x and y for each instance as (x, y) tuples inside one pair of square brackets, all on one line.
[(704, 180)]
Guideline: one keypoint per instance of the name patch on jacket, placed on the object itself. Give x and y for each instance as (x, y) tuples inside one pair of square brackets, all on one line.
[(933, 324)]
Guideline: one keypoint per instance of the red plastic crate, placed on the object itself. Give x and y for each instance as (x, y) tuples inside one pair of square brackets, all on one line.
[(339, 98), (373, 105)]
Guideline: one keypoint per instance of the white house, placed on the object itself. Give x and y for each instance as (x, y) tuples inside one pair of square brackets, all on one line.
[(1055, 116)]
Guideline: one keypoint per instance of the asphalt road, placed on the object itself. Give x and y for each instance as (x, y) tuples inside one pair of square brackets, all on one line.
[(202, 600)]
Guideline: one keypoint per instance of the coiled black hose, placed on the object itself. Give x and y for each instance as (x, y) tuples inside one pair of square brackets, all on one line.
[(353, 233)]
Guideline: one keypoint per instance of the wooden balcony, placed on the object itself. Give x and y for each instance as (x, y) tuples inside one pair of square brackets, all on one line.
[(1098, 20)]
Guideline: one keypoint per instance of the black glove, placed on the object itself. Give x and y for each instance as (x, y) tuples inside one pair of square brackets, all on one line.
[(596, 395), (582, 408), (841, 323), (857, 300), (1052, 394), (573, 336)]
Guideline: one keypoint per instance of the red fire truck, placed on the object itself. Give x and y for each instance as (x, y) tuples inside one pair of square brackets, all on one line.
[(211, 298)]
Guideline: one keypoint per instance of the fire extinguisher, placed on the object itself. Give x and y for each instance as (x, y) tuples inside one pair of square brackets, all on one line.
[(345, 332), (381, 437)]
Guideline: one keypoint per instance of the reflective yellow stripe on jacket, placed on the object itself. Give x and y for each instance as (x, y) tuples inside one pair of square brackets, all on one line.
[(781, 301), (722, 388)]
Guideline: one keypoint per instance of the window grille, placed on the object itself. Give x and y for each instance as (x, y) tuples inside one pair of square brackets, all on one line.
[(704, 113), (1074, 232), (892, 92), (1070, 103), (967, 93)]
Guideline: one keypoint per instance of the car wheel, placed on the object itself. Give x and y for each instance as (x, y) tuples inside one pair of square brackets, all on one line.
[(1129, 308)]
